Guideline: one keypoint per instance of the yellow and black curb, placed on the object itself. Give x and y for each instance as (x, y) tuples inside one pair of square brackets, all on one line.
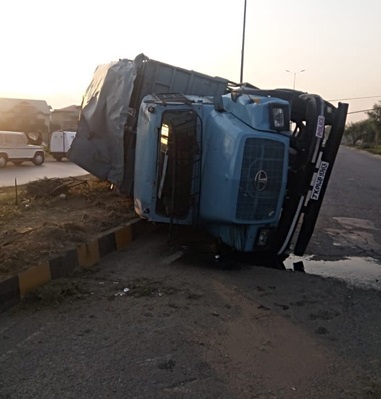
[(84, 256)]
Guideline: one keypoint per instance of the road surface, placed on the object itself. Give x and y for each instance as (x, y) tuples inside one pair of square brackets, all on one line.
[(162, 321), (28, 172), (350, 219)]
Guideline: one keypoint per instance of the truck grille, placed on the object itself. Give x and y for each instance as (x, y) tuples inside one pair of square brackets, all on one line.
[(261, 179)]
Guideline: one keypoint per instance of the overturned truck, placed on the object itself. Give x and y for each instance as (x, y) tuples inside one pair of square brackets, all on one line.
[(249, 166)]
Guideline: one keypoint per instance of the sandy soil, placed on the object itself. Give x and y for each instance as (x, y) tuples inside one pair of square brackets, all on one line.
[(49, 216)]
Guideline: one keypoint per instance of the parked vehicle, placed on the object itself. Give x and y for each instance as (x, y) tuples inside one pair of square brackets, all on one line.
[(15, 148), (60, 142), (250, 166)]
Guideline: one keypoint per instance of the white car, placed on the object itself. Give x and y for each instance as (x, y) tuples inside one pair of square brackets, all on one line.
[(14, 147)]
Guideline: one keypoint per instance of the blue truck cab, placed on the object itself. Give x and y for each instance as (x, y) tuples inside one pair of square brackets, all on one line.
[(233, 161), (229, 163)]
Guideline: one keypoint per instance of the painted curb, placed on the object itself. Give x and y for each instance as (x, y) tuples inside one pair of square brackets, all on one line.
[(14, 289)]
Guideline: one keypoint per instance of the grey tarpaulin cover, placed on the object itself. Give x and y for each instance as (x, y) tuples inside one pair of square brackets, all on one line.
[(105, 140), (98, 146)]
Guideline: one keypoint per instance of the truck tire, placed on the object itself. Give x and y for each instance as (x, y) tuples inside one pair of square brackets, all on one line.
[(310, 107), (39, 158), (3, 160)]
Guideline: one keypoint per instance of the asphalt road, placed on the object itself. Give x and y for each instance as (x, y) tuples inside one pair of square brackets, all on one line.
[(355, 188), (350, 220), (155, 322), (28, 172)]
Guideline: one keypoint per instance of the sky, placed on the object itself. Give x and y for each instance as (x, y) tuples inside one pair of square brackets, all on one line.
[(49, 49)]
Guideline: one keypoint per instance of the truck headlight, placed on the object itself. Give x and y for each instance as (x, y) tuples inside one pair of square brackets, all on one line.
[(279, 117)]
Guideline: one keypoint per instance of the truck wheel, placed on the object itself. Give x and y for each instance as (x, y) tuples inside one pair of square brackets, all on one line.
[(58, 158), (39, 158), (304, 137), (3, 160)]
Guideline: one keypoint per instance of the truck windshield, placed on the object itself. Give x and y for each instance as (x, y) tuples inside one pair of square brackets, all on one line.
[(178, 152)]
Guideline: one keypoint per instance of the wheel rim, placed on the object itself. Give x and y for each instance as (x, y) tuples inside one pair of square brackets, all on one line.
[(39, 159), (2, 162)]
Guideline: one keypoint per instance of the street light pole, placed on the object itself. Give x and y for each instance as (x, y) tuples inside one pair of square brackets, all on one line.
[(294, 73), (243, 41)]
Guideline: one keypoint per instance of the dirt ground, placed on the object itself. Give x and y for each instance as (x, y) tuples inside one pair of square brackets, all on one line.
[(161, 321), (46, 217)]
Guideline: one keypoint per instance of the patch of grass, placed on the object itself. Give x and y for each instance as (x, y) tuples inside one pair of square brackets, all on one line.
[(8, 209), (375, 149), (372, 148), (8, 197)]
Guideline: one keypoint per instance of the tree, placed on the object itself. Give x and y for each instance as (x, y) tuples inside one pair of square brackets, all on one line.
[(23, 123), (363, 130), (375, 118)]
